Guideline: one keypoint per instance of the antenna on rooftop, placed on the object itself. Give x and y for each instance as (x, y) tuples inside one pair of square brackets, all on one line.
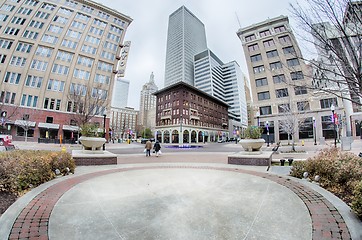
[(237, 18)]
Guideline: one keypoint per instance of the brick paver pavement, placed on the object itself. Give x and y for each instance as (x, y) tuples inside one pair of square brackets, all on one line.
[(33, 221)]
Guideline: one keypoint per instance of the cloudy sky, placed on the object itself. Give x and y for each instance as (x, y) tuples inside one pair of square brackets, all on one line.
[(148, 32)]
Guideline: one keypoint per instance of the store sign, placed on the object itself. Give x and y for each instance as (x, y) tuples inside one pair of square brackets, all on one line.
[(123, 59)]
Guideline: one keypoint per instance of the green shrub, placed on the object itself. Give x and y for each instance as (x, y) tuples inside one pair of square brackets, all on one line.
[(253, 132), (357, 199), (339, 171), (24, 169), (90, 130)]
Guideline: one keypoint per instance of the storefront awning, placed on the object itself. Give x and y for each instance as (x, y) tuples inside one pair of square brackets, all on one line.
[(24, 123), (48, 125), (70, 128)]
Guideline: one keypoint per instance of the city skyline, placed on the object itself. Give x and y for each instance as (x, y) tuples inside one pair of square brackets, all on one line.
[(148, 32)]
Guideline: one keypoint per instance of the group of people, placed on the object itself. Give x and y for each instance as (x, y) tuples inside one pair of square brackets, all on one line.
[(156, 148)]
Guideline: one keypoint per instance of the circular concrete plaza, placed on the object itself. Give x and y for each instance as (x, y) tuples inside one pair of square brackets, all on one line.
[(179, 203)]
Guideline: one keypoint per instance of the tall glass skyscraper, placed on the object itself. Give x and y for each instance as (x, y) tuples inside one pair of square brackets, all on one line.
[(185, 38)]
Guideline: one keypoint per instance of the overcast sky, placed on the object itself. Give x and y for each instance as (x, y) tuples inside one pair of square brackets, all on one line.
[(148, 32)]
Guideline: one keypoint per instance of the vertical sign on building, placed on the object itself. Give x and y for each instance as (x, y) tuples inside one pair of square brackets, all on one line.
[(123, 59)]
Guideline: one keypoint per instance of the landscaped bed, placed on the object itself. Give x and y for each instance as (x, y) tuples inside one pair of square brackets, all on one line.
[(22, 170)]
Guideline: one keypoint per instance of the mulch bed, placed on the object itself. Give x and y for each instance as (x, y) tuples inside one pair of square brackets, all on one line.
[(6, 199)]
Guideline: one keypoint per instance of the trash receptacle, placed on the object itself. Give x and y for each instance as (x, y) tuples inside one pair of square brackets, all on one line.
[(282, 161), (119, 140)]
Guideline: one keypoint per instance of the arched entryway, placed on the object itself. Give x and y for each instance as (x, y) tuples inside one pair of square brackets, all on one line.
[(193, 136), (186, 136), (200, 136), (166, 136), (175, 136)]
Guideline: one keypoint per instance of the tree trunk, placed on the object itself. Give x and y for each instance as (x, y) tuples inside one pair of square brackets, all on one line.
[(26, 135), (293, 143)]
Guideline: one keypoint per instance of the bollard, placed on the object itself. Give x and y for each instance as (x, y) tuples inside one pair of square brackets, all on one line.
[(290, 160), (282, 161), (302, 142)]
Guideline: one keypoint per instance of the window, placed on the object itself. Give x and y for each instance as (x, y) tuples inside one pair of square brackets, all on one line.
[(104, 66), (69, 43), (87, 9), (303, 106), (99, 23), (78, 25), (49, 120), (74, 34), (85, 61), (60, 19), (65, 11), (108, 55), (263, 95), (280, 29), (60, 69), (250, 38), (253, 47), (327, 103), (64, 56), (42, 15), (110, 46), (18, 61), (11, 31), (48, 6), (272, 53), (55, 29), (275, 65), (297, 75), (116, 29), (82, 17), (264, 33), (288, 50), (255, 58), (261, 82), (89, 49), (78, 89), (36, 24), (30, 34), (96, 31), (102, 79), (267, 110), (56, 85), (44, 51), (81, 74), (18, 20), (2, 58), (24, 11), (269, 43), (281, 93), (7, 8), (279, 78), (39, 65), (49, 39), (33, 81), (299, 90), (293, 62), (93, 40), (284, 39), (6, 44), (11, 77), (259, 69), (284, 108)]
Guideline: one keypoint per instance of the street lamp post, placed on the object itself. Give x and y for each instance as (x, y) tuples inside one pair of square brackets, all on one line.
[(334, 125), (104, 130), (314, 132), (267, 133), (181, 140)]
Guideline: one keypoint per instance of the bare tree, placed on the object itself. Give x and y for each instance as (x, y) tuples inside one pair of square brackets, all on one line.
[(86, 102), (334, 27), (291, 121)]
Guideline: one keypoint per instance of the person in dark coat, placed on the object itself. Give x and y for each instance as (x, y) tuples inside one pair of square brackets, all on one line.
[(157, 148)]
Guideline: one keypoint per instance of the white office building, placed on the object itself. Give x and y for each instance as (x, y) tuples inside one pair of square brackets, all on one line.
[(225, 82), (148, 104), (120, 93), (185, 38)]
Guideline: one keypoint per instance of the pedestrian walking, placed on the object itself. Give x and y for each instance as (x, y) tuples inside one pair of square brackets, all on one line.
[(148, 148), (157, 148)]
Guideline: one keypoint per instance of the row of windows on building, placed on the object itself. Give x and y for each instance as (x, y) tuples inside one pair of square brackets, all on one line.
[(276, 65), (73, 5), (191, 122), (272, 54), (301, 106), (280, 78), (265, 33), (283, 92), (270, 43)]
